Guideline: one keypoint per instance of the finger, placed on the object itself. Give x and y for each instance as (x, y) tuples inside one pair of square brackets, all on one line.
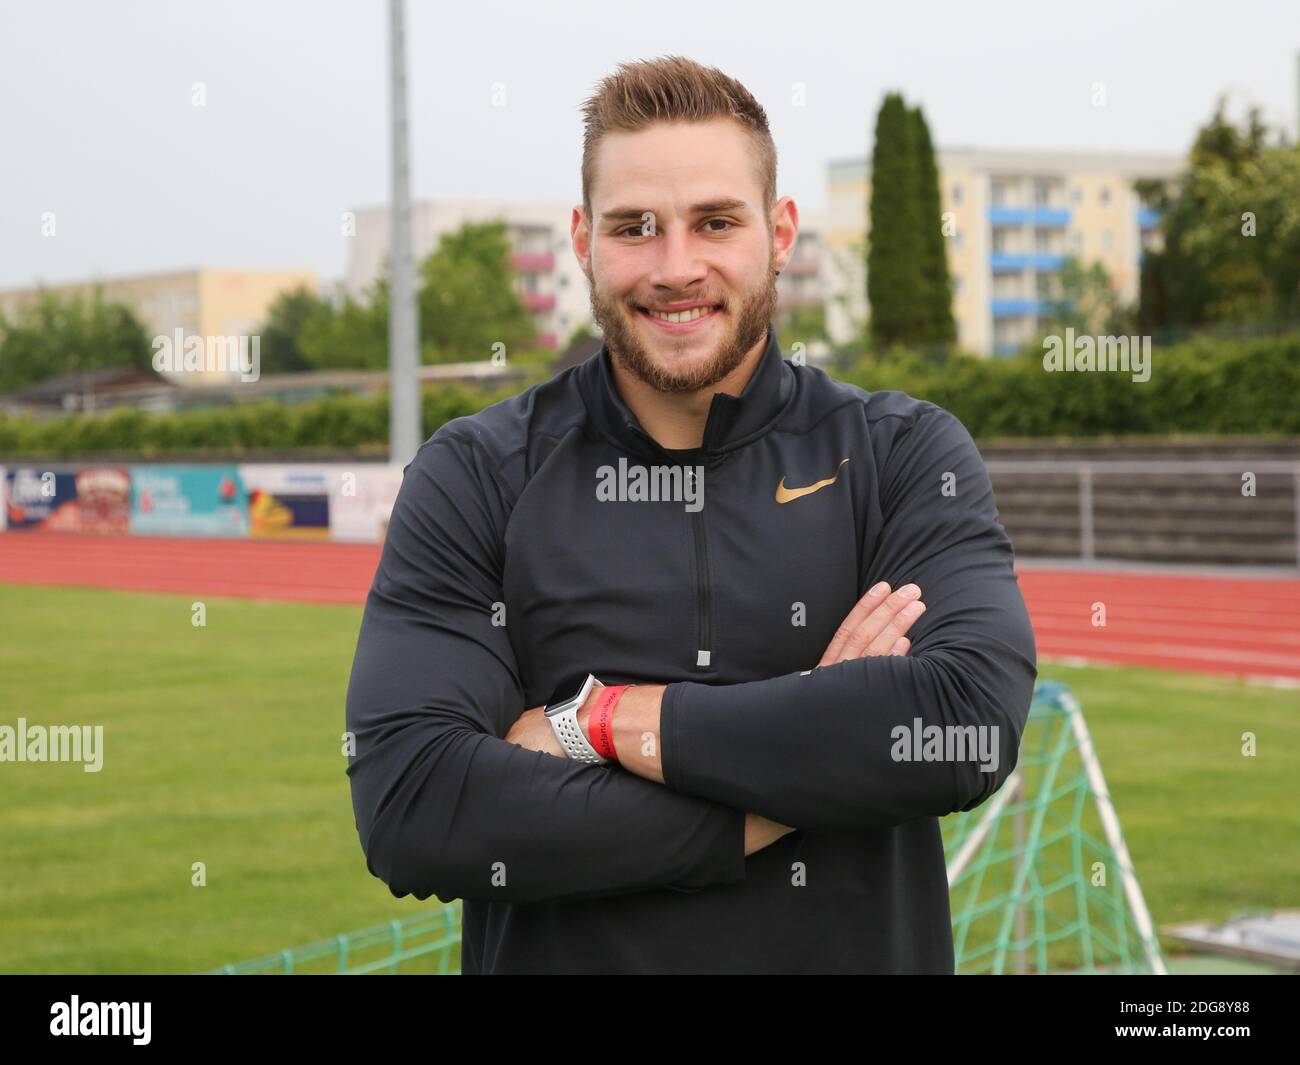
[(877, 621), (901, 622), (860, 612), (901, 646)]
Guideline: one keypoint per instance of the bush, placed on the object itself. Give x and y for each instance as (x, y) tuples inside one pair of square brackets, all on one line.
[(343, 423), (1200, 386)]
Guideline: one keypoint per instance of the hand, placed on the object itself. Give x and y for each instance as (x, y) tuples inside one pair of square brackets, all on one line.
[(533, 731), (761, 831), (875, 626)]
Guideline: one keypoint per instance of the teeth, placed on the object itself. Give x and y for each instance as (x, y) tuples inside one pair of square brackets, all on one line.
[(681, 316)]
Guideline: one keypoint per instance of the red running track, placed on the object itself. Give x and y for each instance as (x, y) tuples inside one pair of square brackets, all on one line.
[(1240, 626)]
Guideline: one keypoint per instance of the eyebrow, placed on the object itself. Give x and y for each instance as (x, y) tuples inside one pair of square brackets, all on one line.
[(635, 214)]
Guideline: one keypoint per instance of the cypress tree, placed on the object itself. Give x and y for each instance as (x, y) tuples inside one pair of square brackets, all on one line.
[(938, 327), (895, 285)]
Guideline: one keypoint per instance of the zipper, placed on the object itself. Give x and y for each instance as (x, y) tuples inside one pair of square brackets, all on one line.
[(703, 606), (704, 653)]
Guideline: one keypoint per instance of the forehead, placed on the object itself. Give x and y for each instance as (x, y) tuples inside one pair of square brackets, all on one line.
[(668, 164)]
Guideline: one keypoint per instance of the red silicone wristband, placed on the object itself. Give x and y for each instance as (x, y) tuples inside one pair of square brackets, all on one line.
[(599, 725)]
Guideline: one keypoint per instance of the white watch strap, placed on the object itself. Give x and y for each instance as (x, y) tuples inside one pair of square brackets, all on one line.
[(564, 722)]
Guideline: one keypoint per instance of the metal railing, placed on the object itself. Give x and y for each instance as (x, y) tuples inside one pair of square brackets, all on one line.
[(1086, 469)]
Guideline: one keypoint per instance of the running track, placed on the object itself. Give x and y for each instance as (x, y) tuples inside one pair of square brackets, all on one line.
[(1241, 626)]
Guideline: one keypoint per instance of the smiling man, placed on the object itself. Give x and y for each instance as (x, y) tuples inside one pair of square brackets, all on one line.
[(634, 735)]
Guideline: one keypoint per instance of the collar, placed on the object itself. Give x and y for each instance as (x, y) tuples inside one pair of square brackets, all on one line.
[(733, 421)]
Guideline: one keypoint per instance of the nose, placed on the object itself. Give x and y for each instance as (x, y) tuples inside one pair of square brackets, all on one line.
[(679, 267)]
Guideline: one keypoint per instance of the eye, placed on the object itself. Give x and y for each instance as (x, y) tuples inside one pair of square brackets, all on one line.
[(725, 221), (624, 231)]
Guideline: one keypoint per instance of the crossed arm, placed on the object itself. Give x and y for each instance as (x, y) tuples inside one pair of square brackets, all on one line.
[(877, 625), (447, 804)]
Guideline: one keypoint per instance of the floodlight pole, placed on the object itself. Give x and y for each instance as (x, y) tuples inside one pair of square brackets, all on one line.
[(403, 321)]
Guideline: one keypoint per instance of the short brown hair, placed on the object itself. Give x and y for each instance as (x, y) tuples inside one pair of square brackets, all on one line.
[(674, 89)]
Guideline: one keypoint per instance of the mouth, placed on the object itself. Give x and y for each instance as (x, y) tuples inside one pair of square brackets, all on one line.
[(683, 321)]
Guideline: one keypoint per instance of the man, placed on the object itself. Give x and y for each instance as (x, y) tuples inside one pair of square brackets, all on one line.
[(744, 541)]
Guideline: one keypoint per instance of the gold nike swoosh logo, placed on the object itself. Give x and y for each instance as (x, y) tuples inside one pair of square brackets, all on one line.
[(786, 495)]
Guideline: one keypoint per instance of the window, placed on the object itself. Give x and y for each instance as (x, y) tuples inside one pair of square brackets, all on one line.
[(1105, 195), (956, 194), (957, 239), (1105, 240), (956, 284), (1008, 286), (1077, 240), (1076, 194)]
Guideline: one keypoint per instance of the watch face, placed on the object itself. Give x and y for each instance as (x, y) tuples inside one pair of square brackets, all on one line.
[(573, 700)]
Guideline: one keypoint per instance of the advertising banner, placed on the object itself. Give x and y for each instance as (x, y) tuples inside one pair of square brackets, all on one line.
[(361, 499), (188, 501), (104, 500), (40, 501), (288, 502)]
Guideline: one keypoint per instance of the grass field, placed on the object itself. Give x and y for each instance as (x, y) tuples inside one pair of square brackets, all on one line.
[(223, 746)]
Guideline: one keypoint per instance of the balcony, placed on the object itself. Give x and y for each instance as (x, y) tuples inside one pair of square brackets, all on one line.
[(1019, 307), (538, 302), (1004, 262), (1148, 218), (1050, 217), (533, 262)]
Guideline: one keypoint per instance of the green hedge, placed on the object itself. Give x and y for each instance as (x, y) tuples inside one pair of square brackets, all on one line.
[(343, 423), (1197, 387)]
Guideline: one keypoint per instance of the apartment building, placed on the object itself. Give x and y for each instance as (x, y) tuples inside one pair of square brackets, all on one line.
[(1014, 217)]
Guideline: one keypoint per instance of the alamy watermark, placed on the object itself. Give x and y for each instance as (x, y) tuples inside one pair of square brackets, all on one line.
[(53, 743), (1071, 354), (230, 355), (919, 742), (102, 1018), (647, 484)]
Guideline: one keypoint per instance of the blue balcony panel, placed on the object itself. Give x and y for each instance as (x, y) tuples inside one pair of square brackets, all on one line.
[(1147, 218), (1018, 308), (1012, 262), (1038, 216)]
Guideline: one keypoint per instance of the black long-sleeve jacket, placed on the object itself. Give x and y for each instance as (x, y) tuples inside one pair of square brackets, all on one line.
[(509, 573)]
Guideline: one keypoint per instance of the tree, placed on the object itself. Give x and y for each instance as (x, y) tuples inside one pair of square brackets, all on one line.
[(56, 335), (806, 323), (468, 302), (938, 325), (282, 331), (1088, 302), (895, 263), (352, 335), (1231, 231), (908, 286)]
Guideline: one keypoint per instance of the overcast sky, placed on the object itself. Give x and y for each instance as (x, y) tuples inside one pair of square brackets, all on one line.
[(97, 123)]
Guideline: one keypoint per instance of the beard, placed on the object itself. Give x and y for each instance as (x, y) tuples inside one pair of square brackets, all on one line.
[(749, 319)]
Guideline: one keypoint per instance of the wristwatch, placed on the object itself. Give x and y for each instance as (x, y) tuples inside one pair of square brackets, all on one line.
[(564, 721)]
